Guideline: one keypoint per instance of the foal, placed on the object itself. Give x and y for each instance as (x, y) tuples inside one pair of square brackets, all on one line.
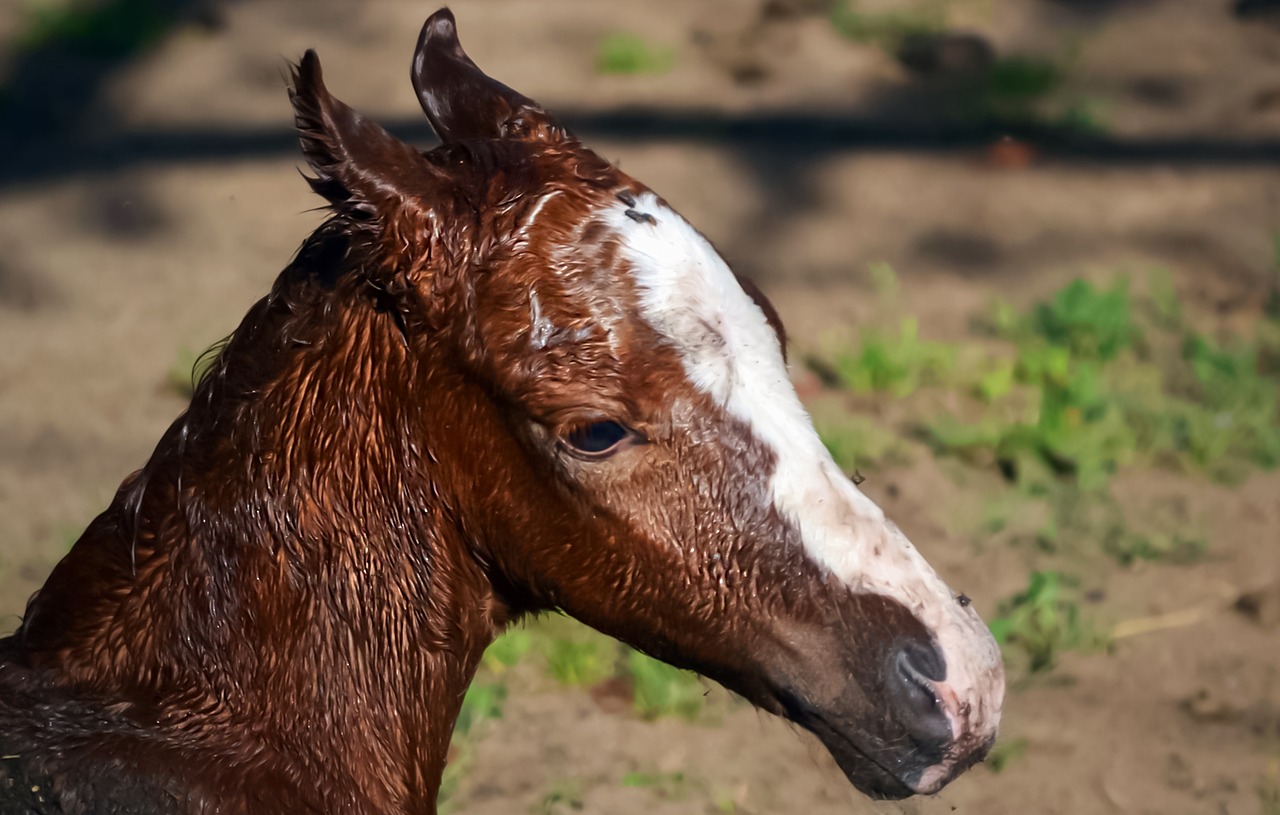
[(501, 377)]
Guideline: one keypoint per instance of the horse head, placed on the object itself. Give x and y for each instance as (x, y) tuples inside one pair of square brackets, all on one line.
[(609, 425)]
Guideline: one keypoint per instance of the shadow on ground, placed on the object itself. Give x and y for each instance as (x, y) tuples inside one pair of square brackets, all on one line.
[(55, 125)]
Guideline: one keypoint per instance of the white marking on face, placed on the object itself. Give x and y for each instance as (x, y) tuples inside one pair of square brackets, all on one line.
[(729, 351)]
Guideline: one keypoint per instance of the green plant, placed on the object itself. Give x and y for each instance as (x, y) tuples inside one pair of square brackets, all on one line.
[(661, 690), (1077, 429), (855, 441), (667, 785), (1041, 622), (888, 29), (562, 796), (1005, 751), (190, 368), (1088, 323), (483, 701), (1237, 415), (1166, 308), (1081, 429), (581, 660), (577, 656), (1065, 394), (1085, 116), (1001, 319), (997, 381), (624, 53), (884, 279), (1127, 545), (1022, 77), (509, 649), (108, 28), (899, 364), (1101, 404)]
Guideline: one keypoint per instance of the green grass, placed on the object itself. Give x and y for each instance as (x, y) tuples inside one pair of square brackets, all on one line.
[(884, 279), (1041, 622), (1107, 396), (1036, 90), (1058, 398), (562, 796), (661, 690), (887, 29), (483, 702), (672, 785), (1089, 323), (624, 53), (574, 656), (898, 362), (189, 369), (580, 661), (1047, 513), (1164, 307), (1023, 77), (1025, 88), (508, 650), (857, 441), (1005, 752)]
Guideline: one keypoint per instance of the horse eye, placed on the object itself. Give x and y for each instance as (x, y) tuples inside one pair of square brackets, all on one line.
[(597, 440)]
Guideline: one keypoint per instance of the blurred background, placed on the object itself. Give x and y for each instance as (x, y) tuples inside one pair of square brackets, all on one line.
[(1028, 252)]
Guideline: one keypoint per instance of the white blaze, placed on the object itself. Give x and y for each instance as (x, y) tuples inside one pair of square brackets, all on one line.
[(689, 295)]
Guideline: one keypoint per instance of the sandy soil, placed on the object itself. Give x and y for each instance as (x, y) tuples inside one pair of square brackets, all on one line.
[(150, 222)]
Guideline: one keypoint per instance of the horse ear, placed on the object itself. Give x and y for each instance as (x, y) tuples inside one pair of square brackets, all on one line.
[(462, 102), (356, 162)]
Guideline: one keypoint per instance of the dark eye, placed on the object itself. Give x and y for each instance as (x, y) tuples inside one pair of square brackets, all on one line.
[(597, 440)]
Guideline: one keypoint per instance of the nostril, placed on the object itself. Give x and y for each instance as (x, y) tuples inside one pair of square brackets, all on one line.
[(925, 660), (916, 669), (917, 688)]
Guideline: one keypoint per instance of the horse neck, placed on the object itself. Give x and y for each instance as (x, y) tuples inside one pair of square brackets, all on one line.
[(288, 555)]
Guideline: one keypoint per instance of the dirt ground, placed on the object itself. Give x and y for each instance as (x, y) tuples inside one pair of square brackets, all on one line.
[(144, 220)]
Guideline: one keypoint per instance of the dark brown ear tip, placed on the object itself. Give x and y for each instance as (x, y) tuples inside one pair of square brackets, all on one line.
[(439, 36), (460, 100), (440, 30), (443, 20), (307, 72)]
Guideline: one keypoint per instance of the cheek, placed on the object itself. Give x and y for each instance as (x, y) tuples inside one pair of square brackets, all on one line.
[(703, 508)]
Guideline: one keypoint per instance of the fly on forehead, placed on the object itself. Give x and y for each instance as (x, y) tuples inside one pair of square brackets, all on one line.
[(633, 213)]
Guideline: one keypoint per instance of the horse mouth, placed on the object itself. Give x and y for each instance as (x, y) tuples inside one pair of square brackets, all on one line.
[(871, 775), (938, 776), (908, 767)]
